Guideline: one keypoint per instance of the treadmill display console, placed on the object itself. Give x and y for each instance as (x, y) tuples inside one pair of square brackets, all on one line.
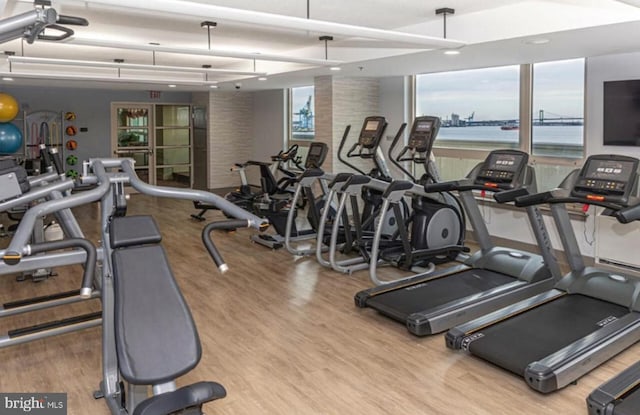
[(607, 177), (371, 132), (502, 169)]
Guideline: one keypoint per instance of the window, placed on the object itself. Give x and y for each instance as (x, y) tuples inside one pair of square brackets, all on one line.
[(479, 108), (301, 113), (558, 109), (480, 111)]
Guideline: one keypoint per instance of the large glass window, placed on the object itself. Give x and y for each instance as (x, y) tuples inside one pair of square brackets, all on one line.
[(558, 109), (479, 108), (302, 113), (480, 111)]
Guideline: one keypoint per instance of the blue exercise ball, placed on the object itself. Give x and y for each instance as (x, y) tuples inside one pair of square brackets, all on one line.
[(10, 138)]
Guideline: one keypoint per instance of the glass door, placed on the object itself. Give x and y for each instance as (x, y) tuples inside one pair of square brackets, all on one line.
[(133, 137), (173, 166)]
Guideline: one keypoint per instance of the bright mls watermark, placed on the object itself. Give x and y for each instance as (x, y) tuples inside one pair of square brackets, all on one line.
[(33, 403)]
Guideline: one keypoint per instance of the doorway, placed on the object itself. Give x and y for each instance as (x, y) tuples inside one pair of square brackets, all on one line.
[(158, 137)]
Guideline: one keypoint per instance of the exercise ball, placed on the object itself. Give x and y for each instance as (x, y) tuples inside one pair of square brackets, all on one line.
[(10, 138), (9, 107)]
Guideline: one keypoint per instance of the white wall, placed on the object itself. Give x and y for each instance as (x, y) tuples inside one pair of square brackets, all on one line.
[(268, 123), (230, 135)]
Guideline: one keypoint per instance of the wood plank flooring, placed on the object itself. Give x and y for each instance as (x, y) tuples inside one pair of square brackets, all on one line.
[(283, 336)]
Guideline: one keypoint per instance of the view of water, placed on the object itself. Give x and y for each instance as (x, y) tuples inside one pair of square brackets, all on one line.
[(552, 134)]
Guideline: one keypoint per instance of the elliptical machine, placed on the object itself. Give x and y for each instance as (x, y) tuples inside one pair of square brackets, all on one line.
[(353, 232), (435, 229), (280, 209)]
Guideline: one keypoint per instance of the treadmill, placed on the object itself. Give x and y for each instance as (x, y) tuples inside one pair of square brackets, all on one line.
[(621, 394), (591, 315), (492, 278), (618, 396)]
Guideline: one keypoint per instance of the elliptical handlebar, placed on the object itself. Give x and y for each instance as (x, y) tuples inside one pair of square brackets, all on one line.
[(351, 150), (442, 187), (396, 160)]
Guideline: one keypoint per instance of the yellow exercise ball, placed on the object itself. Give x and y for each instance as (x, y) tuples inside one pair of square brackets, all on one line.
[(9, 107)]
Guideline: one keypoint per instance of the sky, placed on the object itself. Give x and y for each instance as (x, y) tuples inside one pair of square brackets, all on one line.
[(492, 93)]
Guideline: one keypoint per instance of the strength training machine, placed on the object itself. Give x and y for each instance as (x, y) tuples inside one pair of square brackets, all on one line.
[(137, 351)]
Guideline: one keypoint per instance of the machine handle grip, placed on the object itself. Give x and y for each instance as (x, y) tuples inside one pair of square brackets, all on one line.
[(510, 195), (628, 214), (441, 187), (44, 156), (211, 247), (72, 20), (534, 199), (57, 160), (89, 264)]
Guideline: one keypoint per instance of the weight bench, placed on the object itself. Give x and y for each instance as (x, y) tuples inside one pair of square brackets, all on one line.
[(155, 336)]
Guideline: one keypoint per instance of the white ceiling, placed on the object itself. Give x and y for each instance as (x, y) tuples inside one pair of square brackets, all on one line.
[(493, 32)]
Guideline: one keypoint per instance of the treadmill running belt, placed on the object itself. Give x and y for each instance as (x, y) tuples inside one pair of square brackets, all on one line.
[(430, 294), (630, 405), (528, 337)]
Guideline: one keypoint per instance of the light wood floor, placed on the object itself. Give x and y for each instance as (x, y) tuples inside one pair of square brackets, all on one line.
[(283, 336)]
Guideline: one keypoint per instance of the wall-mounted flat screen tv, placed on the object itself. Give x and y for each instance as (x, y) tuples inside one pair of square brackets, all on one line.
[(622, 113)]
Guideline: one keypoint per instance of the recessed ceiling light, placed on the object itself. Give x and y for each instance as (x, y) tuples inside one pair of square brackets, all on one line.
[(213, 86), (452, 52), (262, 78), (6, 78), (171, 85), (335, 68), (538, 41)]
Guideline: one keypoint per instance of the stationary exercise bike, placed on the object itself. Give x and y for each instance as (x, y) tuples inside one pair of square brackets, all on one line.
[(281, 208), (246, 195)]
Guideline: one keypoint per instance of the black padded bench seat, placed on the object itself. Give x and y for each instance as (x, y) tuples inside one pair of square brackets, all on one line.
[(156, 337)]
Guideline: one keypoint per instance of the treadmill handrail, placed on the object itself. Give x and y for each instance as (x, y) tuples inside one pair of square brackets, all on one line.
[(562, 196), (461, 186), (628, 214), (507, 196)]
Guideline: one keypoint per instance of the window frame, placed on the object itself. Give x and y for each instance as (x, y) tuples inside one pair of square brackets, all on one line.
[(290, 139), (526, 124)]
